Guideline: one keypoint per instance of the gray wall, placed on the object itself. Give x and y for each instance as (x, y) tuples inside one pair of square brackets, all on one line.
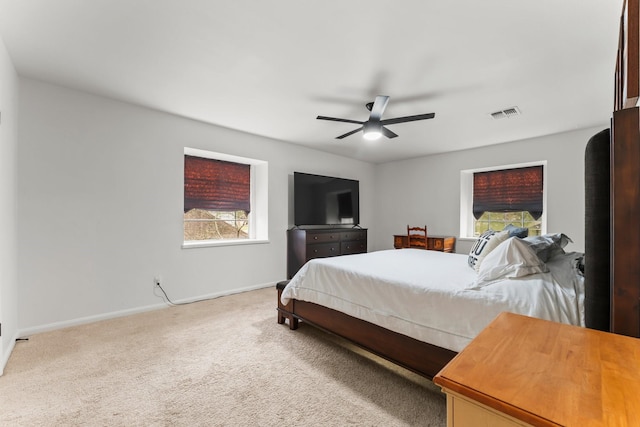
[(100, 203), (427, 190), (8, 207), (101, 199)]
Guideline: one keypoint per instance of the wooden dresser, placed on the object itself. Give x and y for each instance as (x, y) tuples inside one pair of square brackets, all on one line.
[(303, 245), (521, 371), (434, 243)]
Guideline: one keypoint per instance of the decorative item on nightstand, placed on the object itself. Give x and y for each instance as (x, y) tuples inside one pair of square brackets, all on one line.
[(417, 237)]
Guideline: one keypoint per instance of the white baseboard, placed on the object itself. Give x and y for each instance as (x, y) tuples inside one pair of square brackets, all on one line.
[(7, 353), (114, 314), (88, 319), (225, 293)]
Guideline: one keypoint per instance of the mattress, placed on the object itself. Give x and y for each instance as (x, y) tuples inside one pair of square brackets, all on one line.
[(434, 296)]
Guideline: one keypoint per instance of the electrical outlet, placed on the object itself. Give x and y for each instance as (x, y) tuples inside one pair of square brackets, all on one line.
[(156, 280)]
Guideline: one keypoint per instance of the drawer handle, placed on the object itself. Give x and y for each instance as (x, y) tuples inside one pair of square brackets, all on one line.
[(315, 237), (333, 249), (315, 251)]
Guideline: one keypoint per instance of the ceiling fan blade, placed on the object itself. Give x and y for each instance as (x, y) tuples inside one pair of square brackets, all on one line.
[(349, 133), (386, 132), (408, 119), (339, 120), (378, 107)]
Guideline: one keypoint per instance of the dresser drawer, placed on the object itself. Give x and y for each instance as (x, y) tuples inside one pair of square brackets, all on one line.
[(322, 250), (436, 244), (353, 247), (353, 235), (322, 237)]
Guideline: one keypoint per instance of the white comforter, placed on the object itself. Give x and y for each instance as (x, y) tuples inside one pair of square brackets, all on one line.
[(433, 296)]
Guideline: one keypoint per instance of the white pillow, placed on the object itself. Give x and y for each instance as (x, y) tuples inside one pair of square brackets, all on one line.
[(490, 245), (512, 258), (479, 247)]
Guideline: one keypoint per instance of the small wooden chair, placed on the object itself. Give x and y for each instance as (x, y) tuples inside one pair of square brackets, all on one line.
[(417, 237)]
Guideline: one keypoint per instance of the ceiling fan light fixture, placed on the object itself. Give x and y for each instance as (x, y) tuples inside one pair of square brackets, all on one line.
[(375, 127), (372, 135), (372, 131)]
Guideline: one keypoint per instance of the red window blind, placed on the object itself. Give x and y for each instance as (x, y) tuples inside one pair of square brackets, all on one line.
[(216, 185), (508, 190)]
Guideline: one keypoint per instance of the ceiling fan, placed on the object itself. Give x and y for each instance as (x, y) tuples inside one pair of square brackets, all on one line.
[(374, 127)]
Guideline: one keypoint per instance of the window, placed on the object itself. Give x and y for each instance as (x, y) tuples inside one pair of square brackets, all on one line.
[(224, 198), (499, 220), (494, 198)]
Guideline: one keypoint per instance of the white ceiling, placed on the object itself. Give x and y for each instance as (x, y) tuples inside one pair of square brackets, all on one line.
[(270, 67)]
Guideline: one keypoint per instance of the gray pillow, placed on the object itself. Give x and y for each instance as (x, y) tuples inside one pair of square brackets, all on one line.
[(516, 231), (548, 245)]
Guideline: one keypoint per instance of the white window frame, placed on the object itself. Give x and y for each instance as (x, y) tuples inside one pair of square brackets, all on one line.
[(466, 196), (259, 195)]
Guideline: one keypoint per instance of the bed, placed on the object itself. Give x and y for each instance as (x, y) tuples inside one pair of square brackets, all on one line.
[(610, 296), (418, 308)]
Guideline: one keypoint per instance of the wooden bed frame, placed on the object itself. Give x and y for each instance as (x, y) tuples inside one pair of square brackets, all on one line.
[(623, 213), (420, 357)]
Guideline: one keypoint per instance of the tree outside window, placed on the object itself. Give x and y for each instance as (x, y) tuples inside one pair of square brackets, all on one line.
[(499, 220), (200, 224)]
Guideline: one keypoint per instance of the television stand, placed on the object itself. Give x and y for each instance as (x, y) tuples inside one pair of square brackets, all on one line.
[(306, 244)]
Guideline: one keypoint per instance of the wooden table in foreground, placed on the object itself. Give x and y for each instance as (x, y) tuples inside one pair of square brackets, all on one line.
[(525, 371)]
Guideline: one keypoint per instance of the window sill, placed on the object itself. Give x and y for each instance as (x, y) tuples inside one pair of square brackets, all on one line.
[(214, 243)]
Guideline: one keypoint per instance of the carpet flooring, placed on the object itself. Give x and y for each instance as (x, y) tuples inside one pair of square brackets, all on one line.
[(222, 362)]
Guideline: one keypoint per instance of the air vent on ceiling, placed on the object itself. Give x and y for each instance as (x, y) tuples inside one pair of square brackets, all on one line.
[(508, 112)]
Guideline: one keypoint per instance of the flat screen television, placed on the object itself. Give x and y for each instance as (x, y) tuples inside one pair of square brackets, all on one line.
[(325, 200)]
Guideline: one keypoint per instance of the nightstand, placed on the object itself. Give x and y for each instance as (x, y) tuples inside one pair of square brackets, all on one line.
[(522, 371)]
